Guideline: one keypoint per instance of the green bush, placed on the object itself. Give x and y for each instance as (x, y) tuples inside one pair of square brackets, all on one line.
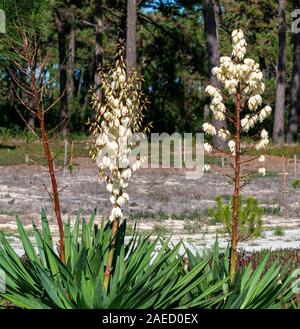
[(295, 183), (249, 214), (279, 231)]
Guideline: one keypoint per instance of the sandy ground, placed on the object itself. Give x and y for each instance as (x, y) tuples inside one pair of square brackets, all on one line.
[(160, 199)]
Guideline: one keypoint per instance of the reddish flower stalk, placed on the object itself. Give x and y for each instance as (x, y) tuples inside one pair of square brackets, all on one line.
[(114, 232), (234, 223), (241, 78)]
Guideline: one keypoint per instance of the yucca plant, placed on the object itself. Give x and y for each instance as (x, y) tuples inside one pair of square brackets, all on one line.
[(145, 273), (252, 288), (239, 80)]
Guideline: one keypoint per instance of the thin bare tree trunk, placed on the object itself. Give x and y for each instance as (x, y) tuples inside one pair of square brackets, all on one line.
[(295, 91), (12, 96), (39, 110), (80, 80), (213, 54), (64, 111), (56, 201), (31, 119), (234, 223), (131, 36), (99, 46), (278, 130)]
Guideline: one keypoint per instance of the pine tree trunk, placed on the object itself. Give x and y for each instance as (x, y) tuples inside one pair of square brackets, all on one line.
[(295, 91), (99, 46), (206, 112), (278, 130), (213, 54), (131, 36), (64, 111), (72, 54), (123, 21)]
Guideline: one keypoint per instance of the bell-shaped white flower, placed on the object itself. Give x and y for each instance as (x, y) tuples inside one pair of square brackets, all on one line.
[(109, 187), (207, 148), (102, 139), (264, 113), (136, 165), (231, 145), (115, 213), (126, 197), (121, 201), (113, 146), (126, 174), (264, 134), (106, 161), (254, 102), (209, 129), (206, 167), (112, 199), (116, 102), (262, 171), (125, 121), (224, 134)]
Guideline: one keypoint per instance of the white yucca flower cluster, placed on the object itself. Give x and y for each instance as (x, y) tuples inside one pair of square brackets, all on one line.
[(232, 72), (118, 117), (239, 45)]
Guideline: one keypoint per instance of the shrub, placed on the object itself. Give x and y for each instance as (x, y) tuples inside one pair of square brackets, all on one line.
[(279, 231), (284, 256), (249, 212), (295, 183)]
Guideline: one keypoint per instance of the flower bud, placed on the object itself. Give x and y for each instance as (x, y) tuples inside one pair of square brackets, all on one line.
[(109, 187), (126, 174), (115, 102), (106, 161), (101, 140), (125, 121), (122, 130), (120, 201), (125, 196), (124, 110)]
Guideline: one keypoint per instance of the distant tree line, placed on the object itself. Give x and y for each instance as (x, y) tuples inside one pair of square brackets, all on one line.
[(172, 43)]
